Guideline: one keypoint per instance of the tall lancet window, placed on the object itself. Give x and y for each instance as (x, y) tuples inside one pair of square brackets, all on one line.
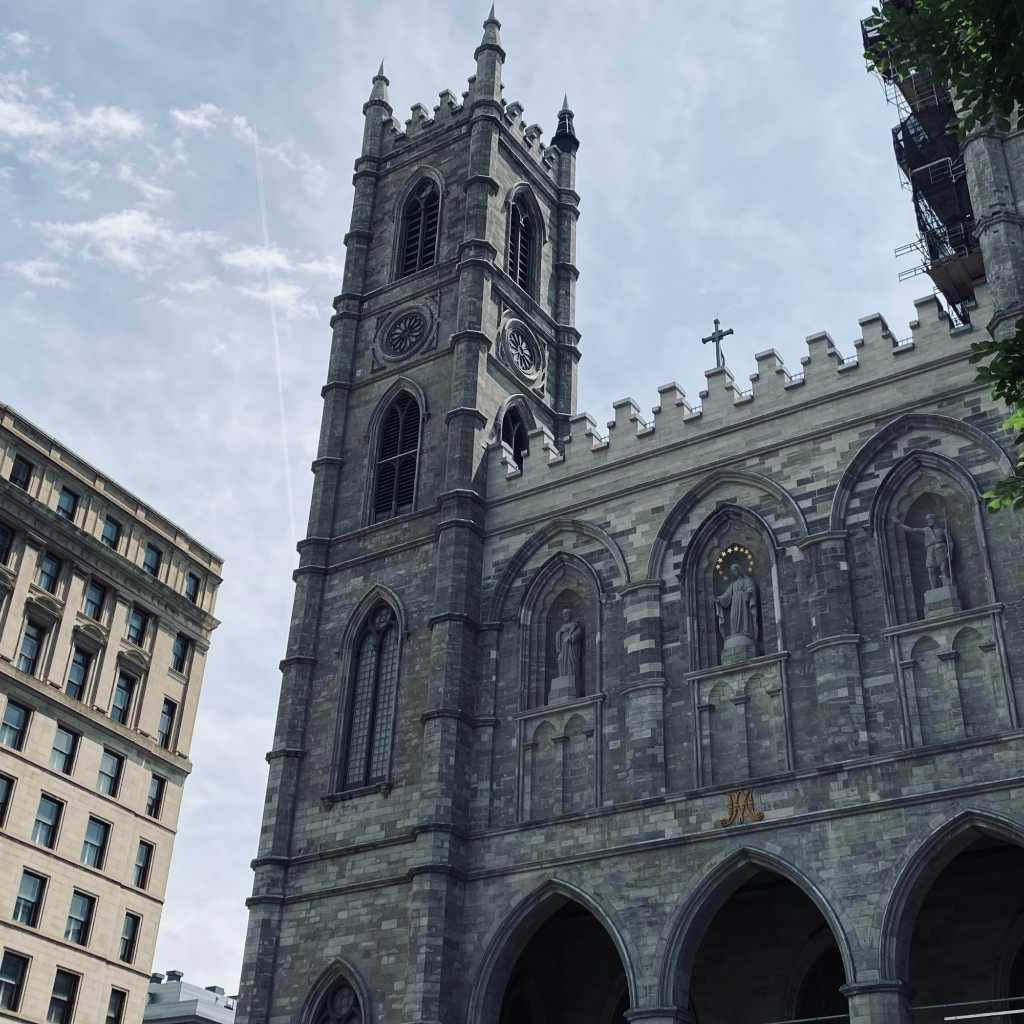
[(371, 701), (520, 247), (513, 433), (339, 1006), (418, 244), (395, 487)]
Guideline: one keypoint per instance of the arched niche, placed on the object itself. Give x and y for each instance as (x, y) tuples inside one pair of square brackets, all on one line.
[(926, 495), (731, 550), (338, 996), (565, 593)]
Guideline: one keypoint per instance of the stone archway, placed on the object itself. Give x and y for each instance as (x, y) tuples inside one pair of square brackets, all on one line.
[(569, 972), (756, 943)]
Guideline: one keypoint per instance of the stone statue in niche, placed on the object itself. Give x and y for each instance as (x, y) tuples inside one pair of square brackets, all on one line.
[(737, 612), (938, 547), (568, 653)]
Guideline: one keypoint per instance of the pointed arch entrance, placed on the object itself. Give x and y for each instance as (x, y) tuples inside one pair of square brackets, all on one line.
[(559, 960), (756, 943)]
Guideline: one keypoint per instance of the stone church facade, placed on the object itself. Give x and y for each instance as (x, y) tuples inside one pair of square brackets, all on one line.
[(713, 715)]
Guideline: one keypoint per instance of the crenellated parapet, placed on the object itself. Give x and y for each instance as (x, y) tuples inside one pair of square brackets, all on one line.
[(827, 372)]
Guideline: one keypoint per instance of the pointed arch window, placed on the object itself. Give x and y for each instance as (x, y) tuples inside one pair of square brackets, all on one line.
[(370, 711), (513, 433), (339, 1006), (521, 230), (397, 458), (420, 216)]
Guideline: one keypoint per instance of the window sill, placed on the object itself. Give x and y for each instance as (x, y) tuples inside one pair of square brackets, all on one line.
[(353, 794)]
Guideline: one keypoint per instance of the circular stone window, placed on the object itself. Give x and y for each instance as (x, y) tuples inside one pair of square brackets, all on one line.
[(404, 335), (522, 352)]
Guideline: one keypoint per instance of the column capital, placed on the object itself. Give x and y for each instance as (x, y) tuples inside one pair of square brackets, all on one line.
[(659, 1015)]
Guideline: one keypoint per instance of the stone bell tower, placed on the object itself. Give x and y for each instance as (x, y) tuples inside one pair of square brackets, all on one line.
[(453, 336)]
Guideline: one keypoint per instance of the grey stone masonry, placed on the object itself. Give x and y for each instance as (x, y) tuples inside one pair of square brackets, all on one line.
[(727, 692)]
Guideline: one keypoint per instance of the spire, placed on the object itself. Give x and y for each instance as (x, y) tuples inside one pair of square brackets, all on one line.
[(492, 37), (565, 138), (379, 92)]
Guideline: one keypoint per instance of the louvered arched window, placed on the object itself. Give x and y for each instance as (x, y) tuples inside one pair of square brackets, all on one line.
[(418, 243), (397, 457), (371, 701), (513, 433), (520, 246)]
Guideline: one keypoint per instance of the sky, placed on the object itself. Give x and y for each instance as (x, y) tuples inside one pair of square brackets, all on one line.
[(175, 182)]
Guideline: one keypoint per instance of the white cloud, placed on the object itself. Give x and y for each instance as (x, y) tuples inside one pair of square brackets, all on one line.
[(200, 118), (242, 130), (288, 298), (255, 257), (202, 284), (104, 123), (17, 43), (150, 190), (19, 118), (77, 191), (44, 273), (329, 267), (133, 239)]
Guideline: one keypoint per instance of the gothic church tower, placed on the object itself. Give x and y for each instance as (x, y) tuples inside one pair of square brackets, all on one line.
[(454, 327)]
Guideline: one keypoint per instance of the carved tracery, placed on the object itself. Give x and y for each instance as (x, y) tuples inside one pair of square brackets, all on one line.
[(339, 1006)]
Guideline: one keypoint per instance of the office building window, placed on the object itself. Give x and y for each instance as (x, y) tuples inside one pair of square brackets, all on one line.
[(192, 587), (111, 535), (67, 503), (62, 1001), (30, 899), (65, 746), (78, 673), (21, 472), (80, 917), (180, 652), (49, 572), (7, 791), (123, 693), (143, 862), (95, 594), (129, 936), (47, 823), (31, 647), (167, 713), (115, 1007), (7, 542), (111, 767), (137, 620), (14, 725), (94, 848), (13, 969), (152, 559), (155, 799)]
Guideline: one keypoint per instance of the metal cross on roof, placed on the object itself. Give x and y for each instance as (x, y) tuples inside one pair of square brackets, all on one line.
[(716, 336)]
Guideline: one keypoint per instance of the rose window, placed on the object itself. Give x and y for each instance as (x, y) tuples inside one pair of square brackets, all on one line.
[(405, 335), (522, 352)]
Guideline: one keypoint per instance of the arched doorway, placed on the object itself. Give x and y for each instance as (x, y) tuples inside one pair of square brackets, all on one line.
[(568, 972), (967, 942), (759, 950)]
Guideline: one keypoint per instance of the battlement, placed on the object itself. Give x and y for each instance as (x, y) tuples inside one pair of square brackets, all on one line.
[(877, 355)]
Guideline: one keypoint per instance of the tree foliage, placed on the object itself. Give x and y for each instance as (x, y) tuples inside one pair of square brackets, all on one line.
[(976, 48)]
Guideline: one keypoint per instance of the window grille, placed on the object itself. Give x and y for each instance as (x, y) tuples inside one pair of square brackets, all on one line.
[(372, 702), (395, 488), (513, 433), (520, 247), (418, 247)]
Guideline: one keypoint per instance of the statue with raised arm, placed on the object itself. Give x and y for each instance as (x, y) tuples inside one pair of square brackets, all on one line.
[(938, 548)]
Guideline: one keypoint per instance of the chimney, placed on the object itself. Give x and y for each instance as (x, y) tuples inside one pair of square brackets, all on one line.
[(156, 979), (215, 989), (174, 975)]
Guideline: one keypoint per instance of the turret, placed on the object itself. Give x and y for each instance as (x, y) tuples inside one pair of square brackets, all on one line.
[(565, 138), (376, 111), (489, 57)]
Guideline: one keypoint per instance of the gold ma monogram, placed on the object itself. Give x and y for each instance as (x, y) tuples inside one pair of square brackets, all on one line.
[(741, 808)]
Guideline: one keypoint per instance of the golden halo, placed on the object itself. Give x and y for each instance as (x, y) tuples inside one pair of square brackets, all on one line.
[(729, 554)]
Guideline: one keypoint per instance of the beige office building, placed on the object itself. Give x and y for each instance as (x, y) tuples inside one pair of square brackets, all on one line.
[(106, 611)]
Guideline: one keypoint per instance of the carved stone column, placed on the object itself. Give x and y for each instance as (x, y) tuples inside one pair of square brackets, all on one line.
[(878, 1002), (835, 648), (644, 689)]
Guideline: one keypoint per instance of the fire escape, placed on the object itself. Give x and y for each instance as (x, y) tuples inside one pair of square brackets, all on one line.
[(931, 168)]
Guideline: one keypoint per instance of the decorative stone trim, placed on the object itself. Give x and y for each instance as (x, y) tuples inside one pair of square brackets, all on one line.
[(839, 640)]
